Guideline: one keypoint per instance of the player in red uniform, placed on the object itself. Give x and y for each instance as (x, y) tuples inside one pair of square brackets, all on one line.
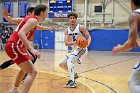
[(30, 11), (17, 45)]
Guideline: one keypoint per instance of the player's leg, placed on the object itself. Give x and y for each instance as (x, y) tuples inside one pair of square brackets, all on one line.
[(29, 68), (6, 64), (33, 61), (19, 77), (80, 52), (26, 67), (23, 60), (134, 81), (63, 63), (71, 83), (74, 56), (70, 65)]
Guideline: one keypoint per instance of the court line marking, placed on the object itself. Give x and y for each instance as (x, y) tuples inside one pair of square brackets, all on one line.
[(44, 71), (108, 65), (93, 91)]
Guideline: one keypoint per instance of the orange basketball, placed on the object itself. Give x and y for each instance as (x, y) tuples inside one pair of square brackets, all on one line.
[(81, 42)]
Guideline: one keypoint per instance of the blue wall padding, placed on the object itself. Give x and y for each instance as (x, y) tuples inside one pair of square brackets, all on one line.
[(45, 39), (106, 39)]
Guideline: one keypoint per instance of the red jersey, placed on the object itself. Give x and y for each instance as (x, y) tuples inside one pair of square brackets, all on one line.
[(15, 38), (15, 49)]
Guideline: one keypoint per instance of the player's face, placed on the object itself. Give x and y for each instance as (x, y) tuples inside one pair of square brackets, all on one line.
[(44, 15), (72, 19)]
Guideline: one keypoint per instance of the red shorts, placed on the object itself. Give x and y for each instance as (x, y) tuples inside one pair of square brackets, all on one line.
[(16, 53)]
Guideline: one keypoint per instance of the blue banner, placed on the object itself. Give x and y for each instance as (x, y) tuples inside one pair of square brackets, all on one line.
[(9, 7), (23, 5)]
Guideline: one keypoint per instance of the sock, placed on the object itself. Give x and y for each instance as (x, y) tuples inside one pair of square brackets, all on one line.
[(70, 69), (14, 88)]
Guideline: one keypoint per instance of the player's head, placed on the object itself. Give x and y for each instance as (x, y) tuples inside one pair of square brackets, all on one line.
[(135, 4), (30, 11), (72, 17), (41, 11)]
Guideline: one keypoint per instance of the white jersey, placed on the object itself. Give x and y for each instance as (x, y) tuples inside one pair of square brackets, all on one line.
[(74, 33), (76, 52)]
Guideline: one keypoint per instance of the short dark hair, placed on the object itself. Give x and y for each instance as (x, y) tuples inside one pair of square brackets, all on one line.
[(72, 14), (39, 8), (136, 2), (30, 9)]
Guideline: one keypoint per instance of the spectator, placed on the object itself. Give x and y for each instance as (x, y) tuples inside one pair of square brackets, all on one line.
[(4, 40)]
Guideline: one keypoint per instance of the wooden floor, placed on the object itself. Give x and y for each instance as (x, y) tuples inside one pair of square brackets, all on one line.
[(100, 72)]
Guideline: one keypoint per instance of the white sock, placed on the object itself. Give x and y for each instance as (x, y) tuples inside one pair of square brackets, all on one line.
[(70, 69), (14, 88)]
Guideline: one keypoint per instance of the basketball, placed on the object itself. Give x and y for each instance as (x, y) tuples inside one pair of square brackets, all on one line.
[(81, 42)]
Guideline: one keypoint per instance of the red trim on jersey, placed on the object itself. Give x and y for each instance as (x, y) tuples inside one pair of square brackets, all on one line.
[(16, 53)]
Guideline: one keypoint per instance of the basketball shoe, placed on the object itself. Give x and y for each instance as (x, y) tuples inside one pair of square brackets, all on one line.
[(14, 91), (70, 84)]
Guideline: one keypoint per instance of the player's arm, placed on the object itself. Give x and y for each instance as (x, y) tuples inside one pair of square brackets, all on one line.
[(39, 27), (132, 38), (67, 38), (86, 33), (29, 25), (133, 31), (10, 19)]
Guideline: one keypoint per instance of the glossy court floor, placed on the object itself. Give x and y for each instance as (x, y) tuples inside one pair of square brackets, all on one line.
[(100, 72)]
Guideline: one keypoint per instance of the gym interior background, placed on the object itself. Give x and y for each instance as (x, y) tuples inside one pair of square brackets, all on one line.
[(100, 71), (94, 14)]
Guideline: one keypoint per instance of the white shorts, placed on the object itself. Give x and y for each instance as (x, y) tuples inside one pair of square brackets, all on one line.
[(76, 54)]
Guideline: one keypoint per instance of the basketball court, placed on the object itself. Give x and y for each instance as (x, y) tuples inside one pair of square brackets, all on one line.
[(100, 72)]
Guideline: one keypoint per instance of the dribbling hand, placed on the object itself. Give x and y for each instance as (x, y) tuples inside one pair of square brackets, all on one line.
[(35, 53)]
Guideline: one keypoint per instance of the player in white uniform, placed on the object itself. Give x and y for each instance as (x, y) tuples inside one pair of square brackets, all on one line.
[(73, 31), (133, 41)]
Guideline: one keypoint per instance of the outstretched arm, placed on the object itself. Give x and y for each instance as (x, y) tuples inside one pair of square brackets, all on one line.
[(10, 19), (39, 27), (133, 31)]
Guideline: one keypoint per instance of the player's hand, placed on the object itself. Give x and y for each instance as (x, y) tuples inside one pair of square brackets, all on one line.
[(54, 27), (35, 53), (74, 42), (57, 26), (5, 12), (88, 44), (116, 49)]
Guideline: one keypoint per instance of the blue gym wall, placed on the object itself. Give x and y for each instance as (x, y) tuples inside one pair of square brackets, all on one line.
[(44, 38), (102, 39), (106, 39)]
